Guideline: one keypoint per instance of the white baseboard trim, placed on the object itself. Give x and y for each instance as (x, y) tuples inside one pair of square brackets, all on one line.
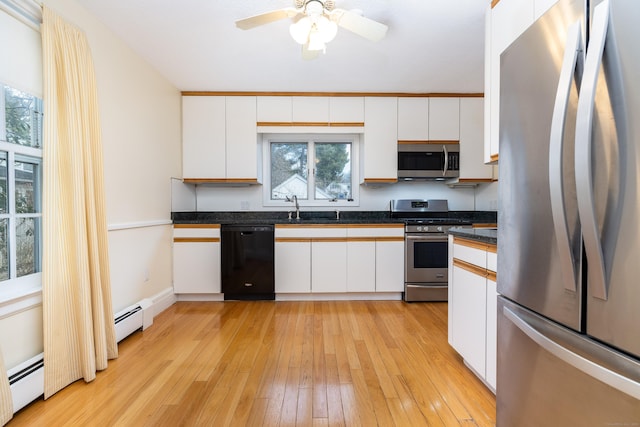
[(156, 304), (351, 296)]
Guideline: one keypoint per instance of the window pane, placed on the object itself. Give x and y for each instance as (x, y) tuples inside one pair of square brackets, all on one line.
[(4, 249), (27, 182), (289, 170), (333, 171), (23, 117), (4, 189), (27, 246)]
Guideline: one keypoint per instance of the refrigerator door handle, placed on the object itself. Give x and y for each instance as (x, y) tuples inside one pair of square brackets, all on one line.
[(583, 152), (570, 64), (607, 376)]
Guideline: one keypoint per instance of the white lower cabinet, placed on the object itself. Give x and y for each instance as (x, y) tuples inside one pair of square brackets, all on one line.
[(292, 266), (339, 259), (196, 258), (329, 266), (473, 305)]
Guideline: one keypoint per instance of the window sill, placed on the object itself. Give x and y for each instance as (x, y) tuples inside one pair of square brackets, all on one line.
[(18, 297)]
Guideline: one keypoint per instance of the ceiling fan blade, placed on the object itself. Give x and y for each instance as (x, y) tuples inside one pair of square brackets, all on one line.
[(265, 18), (309, 54), (358, 24)]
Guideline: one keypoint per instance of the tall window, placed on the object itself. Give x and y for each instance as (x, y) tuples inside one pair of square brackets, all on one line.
[(319, 170), (20, 183)]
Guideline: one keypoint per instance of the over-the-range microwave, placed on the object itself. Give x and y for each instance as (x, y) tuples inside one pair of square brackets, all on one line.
[(438, 160)]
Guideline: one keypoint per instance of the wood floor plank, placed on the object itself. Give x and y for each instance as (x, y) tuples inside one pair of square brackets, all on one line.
[(276, 363)]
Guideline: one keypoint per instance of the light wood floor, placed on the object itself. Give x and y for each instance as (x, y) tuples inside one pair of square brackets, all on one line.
[(269, 363)]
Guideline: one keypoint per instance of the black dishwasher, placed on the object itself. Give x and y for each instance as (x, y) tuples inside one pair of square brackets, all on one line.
[(247, 262)]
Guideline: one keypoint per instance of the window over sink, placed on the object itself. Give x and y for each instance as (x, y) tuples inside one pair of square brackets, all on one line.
[(320, 170)]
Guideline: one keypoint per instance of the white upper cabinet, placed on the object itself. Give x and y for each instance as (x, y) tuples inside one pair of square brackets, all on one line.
[(203, 136), (241, 138), (509, 19), (379, 158), (275, 109), (472, 166), (444, 119), (346, 109), (219, 140), (310, 109), (413, 119)]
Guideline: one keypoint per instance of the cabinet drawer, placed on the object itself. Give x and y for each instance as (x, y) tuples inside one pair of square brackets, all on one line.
[(369, 230), (196, 230), (310, 231), (492, 258), (472, 255)]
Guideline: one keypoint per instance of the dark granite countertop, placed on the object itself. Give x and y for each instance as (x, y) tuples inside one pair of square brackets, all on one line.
[(313, 217), (485, 235)]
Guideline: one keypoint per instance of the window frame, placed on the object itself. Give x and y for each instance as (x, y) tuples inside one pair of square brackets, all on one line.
[(18, 288), (311, 139)]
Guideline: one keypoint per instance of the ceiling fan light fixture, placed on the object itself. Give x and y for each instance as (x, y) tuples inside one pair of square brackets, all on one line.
[(316, 41), (300, 30), (327, 29)]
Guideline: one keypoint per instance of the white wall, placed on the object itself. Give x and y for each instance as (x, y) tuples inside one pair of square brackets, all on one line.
[(211, 198), (140, 113)]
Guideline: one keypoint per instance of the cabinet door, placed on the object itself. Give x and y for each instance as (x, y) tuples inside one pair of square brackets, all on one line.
[(276, 109), (292, 266), (241, 138), (444, 119), (413, 119), (203, 137), (328, 266), (492, 321), (471, 140), (488, 92), (361, 255), (469, 318), (509, 19), (346, 109), (310, 109), (380, 146), (389, 266)]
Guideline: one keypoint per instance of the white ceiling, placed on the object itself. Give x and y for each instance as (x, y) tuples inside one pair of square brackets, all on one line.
[(431, 46)]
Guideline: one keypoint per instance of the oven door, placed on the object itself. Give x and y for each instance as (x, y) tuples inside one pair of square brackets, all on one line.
[(426, 258)]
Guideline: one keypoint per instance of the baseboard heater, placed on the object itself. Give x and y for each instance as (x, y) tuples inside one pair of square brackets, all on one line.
[(27, 379)]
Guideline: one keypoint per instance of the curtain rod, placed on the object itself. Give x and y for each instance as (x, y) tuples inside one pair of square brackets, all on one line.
[(28, 12)]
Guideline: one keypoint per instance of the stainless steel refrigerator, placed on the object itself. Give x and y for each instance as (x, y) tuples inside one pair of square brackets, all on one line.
[(569, 219)]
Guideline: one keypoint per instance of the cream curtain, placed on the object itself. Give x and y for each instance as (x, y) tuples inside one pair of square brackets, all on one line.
[(79, 333), (6, 403)]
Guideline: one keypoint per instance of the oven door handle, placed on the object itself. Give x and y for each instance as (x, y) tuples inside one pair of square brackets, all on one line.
[(426, 237)]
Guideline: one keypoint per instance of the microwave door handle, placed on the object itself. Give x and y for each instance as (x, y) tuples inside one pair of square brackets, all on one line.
[(446, 160), (583, 153), (570, 62)]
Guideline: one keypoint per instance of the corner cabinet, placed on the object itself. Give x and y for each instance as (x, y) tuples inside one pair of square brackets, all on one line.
[(219, 139), (472, 167), (196, 259), (473, 305)]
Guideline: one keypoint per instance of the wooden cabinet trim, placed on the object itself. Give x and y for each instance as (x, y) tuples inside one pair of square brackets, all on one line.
[(220, 180), (478, 271), (494, 158), (380, 180), (338, 94), (303, 226), (430, 142), (292, 240), (196, 239), (469, 243), (492, 249), (491, 275)]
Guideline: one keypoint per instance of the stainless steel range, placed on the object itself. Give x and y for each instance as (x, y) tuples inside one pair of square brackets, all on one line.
[(426, 246)]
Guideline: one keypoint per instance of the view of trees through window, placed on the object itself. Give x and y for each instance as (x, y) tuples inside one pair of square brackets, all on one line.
[(20, 183), (330, 172)]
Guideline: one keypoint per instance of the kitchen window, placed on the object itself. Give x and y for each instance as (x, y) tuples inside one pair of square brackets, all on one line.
[(20, 188), (320, 170)]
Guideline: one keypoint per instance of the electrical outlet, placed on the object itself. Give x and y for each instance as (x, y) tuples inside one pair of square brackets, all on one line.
[(244, 205)]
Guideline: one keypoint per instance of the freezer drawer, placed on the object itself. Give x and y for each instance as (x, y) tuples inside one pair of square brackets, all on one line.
[(547, 375)]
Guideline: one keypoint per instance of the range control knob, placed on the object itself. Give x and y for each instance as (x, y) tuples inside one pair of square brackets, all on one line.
[(419, 228), (439, 228)]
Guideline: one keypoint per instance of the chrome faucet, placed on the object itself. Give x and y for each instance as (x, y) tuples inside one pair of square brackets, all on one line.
[(294, 199)]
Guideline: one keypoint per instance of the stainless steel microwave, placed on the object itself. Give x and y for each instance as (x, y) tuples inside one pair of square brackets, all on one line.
[(428, 160)]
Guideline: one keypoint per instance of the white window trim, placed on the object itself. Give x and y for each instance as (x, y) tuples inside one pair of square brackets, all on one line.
[(354, 139)]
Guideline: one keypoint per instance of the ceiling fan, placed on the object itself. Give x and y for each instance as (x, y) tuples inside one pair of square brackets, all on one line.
[(315, 23)]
